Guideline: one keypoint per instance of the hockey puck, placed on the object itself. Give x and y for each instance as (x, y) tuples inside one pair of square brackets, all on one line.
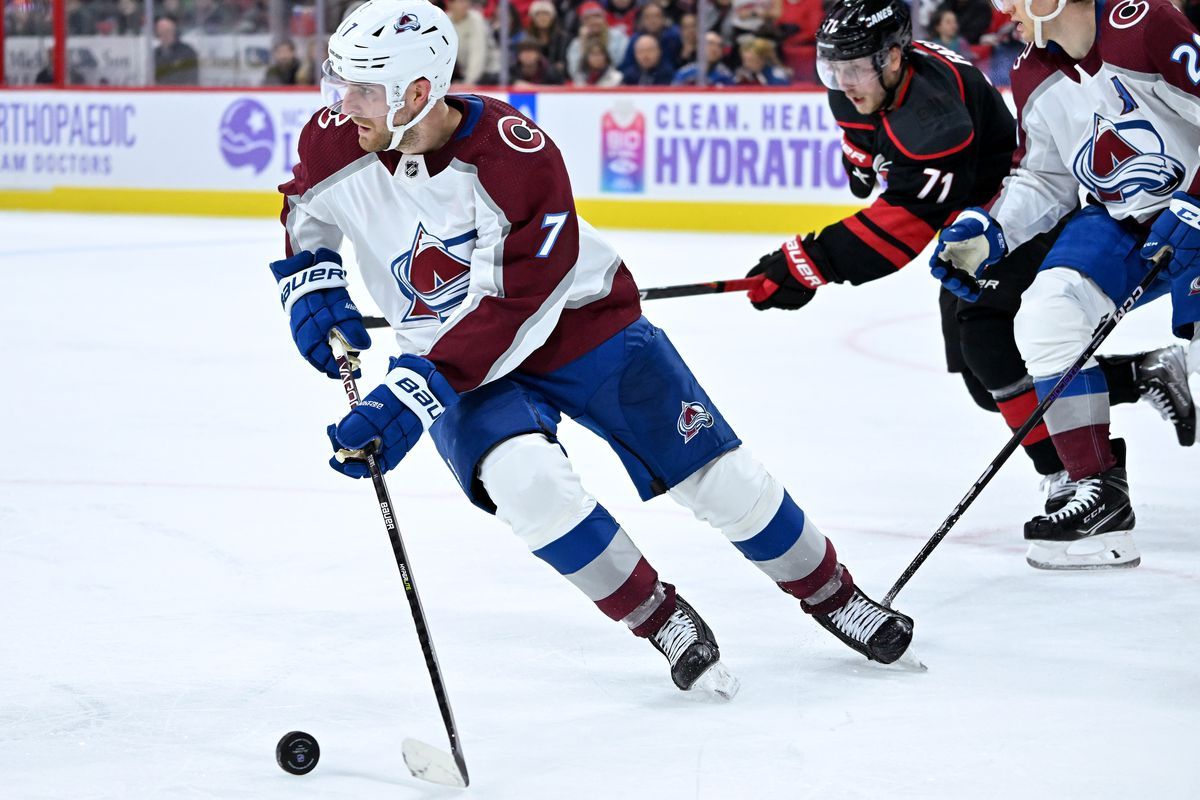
[(297, 752)]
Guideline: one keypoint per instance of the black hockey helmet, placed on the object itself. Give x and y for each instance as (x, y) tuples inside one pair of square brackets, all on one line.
[(857, 28)]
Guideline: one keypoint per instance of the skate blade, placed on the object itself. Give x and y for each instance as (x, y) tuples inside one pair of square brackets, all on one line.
[(1114, 550), (717, 681), (431, 764), (909, 662)]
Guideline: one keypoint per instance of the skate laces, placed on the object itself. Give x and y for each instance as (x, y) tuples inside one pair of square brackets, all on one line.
[(676, 635), (1161, 400), (1057, 484), (859, 618), (1087, 491)]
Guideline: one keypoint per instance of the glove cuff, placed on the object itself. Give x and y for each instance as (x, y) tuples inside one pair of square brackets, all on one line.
[(801, 265), (412, 389), (327, 273)]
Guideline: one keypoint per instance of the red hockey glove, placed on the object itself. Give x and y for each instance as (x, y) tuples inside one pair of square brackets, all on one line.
[(790, 278)]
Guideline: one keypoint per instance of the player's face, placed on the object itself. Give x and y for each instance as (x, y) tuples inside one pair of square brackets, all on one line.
[(861, 80), (1019, 12)]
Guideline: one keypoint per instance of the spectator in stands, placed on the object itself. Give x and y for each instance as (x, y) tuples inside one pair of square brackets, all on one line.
[(474, 41), (797, 20), (718, 73), (943, 27), (544, 29), (531, 68), (28, 20), (689, 37), (623, 14), (255, 18), (81, 18), (749, 18), (718, 17), (214, 16), (1003, 47), (653, 21), (594, 25), (974, 17), (130, 17), (759, 65), (175, 63), (597, 68), (284, 67), (648, 68)]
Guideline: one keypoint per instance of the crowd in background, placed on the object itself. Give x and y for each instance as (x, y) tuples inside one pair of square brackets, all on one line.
[(596, 43)]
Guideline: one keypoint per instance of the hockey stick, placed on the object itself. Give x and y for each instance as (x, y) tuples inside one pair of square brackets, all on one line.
[(423, 761), (658, 293), (1157, 263)]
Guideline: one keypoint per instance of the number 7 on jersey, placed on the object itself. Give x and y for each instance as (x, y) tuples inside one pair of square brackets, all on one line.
[(555, 223)]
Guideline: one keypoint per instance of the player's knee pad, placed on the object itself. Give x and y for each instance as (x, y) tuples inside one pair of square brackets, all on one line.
[(1058, 315), (989, 349), (733, 493), (535, 489)]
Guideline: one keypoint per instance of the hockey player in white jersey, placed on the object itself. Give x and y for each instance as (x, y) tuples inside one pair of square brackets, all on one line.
[(509, 311), (1108, 100)]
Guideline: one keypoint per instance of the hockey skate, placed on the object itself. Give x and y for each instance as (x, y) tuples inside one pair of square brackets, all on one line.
[(1162, 379), (692, 651), (878, 632), (1059, 489), (1093, 529)]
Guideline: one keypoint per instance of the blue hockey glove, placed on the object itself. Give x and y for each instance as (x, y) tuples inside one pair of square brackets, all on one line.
[(1179, 227), (312, 290), (392, 417), (964, 249)]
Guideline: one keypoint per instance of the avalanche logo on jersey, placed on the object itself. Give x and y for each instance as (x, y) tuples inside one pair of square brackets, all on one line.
[(1122, 159), (433, 278), (692, 419)]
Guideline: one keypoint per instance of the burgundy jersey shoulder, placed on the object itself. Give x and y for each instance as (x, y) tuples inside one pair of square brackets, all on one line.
[(1130, 32), (328, 143), (515, 160), (1029, 71)]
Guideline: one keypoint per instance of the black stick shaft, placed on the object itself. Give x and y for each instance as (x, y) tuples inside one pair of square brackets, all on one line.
[(1156, 265), (346, 369), (657, 293)]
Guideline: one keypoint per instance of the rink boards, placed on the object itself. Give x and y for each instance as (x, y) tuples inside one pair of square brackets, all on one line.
[(678, 160)]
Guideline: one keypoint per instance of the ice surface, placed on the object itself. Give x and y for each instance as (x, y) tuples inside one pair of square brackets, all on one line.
[(183, 580)]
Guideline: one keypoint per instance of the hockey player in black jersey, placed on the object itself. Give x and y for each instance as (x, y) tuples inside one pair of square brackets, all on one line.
[(940, 138)]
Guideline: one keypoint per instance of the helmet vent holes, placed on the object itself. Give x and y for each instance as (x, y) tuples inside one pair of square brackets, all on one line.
[(378, 32)]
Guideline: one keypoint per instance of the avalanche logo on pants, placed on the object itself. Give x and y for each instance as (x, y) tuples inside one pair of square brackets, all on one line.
[(433, 278), (692, 418)]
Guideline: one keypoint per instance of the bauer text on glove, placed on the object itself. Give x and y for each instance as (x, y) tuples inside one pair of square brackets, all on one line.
[(312, 291), (412, 397), (789, 278)]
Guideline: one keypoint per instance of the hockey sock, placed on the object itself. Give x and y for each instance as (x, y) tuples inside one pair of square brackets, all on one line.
[(794, 554), (600, 559), (1078, 423), (1016, 403)]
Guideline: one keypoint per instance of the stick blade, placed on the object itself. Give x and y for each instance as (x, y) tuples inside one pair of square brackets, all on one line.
[(431, 764)]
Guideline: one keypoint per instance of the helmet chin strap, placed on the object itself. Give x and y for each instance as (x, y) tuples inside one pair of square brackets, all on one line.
[(398, 131), (1038, 39)]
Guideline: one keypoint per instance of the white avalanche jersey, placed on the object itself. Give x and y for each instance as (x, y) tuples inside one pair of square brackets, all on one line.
[(474, 252), (1123, 123)]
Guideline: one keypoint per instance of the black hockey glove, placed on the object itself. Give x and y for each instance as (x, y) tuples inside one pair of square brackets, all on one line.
[(790, 279)]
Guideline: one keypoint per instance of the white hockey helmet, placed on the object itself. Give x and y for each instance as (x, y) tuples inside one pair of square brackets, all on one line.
[(379, 50)]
